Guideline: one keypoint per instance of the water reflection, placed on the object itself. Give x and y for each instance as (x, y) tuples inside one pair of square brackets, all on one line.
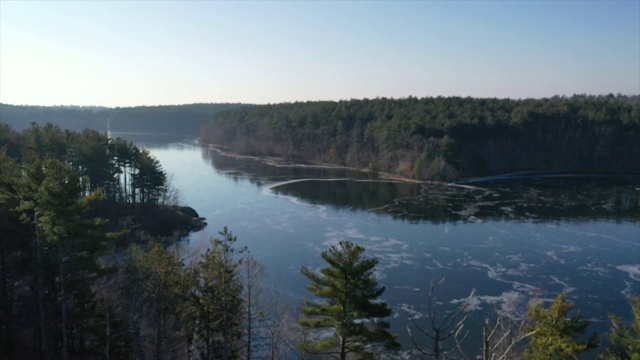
[(577, 201), (259, 171), (510, 242), (520, 203), (152, 140)]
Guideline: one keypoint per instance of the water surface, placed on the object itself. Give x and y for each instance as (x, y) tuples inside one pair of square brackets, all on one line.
[(511, 243)]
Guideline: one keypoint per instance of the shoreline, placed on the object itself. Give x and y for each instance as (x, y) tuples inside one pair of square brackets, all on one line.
[(280, 161), (558, 178)]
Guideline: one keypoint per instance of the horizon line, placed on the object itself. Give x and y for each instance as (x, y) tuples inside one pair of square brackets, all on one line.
[(335, 101)]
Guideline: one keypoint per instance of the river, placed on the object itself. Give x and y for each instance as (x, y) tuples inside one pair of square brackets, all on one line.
[(511, 243)]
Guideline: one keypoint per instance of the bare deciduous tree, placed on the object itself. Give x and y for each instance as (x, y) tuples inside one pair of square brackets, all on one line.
[(254, 314), (502, 339), (282, 330), (443, 329)]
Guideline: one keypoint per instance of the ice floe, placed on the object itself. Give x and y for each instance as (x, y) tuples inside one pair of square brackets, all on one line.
[(632, 270)]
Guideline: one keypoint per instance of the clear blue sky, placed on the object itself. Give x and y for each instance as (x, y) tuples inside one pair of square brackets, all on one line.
[(117, 53)]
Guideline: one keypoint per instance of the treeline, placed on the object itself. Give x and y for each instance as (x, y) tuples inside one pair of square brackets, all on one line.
[(123, 172), (172, 119), (442, 138)]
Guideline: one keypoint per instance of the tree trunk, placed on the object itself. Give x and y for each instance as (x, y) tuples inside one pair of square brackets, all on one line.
[(225, 325), (207, 344), (436, 344), (159, 340), (107, 346), (44, 345), (225, 310), (485, 342), (126, 193), (137, 343), (63, 306), (249, 320), (7, 303)]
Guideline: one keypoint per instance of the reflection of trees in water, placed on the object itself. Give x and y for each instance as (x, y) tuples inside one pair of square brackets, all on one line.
[(443, 203), (352, 194), (258, 171), (513, 202), (437, 203), (152, 140)]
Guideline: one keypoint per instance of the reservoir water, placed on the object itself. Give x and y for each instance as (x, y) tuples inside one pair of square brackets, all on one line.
[(511, 243)]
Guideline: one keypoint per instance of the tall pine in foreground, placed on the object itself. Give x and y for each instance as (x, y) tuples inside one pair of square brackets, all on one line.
[(556, 332), (216, 300), (350, 307), (53, 200)]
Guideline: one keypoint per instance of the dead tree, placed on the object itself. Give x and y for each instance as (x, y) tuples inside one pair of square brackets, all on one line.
[(501, 340), (444, 330)]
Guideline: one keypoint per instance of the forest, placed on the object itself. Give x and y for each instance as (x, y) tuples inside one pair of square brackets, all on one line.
[(443, 138), (67, 201), (88, 272), (173, 119)]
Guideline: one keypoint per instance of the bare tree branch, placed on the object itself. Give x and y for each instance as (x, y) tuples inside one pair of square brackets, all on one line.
[(448, 329)]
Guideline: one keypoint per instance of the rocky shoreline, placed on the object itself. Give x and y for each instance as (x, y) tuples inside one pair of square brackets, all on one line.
[(159, 221)]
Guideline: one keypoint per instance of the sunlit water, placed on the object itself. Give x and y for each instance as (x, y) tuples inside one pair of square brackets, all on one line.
[(511, 245)]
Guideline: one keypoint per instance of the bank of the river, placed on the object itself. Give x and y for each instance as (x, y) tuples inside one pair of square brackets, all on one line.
[(536, 178), (280, 161), (161, 221), (558, 178)]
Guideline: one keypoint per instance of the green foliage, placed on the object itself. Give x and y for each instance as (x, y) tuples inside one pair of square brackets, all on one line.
[(351, 305), (441, 138), (624, 339), (15, 257), (556, 332), (176, 119), (53, 201), (60, 205), (55, 277), (216, 299), (149, 180), (120, 169), (154, 292)]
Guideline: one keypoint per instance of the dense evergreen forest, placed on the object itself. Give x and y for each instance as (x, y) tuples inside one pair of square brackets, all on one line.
[(67, 201), (171, 119), (87, 272), (442, 138)]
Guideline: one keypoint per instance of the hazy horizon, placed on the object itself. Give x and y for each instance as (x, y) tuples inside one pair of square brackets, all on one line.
[(124, 54), (295, 101)]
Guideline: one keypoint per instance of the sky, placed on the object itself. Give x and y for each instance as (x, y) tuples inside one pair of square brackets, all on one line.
[(130, 53)]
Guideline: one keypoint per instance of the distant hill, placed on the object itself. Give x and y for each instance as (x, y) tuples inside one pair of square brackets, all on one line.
[(174, 119), (444, 138)]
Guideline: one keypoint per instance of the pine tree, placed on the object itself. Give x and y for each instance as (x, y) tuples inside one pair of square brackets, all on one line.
[(16, 257), (624, 339), (53, 196), (125, 154), (254, 312), (351, 308), (217, 299), (556, 332), (150, 180), (153, 294)]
